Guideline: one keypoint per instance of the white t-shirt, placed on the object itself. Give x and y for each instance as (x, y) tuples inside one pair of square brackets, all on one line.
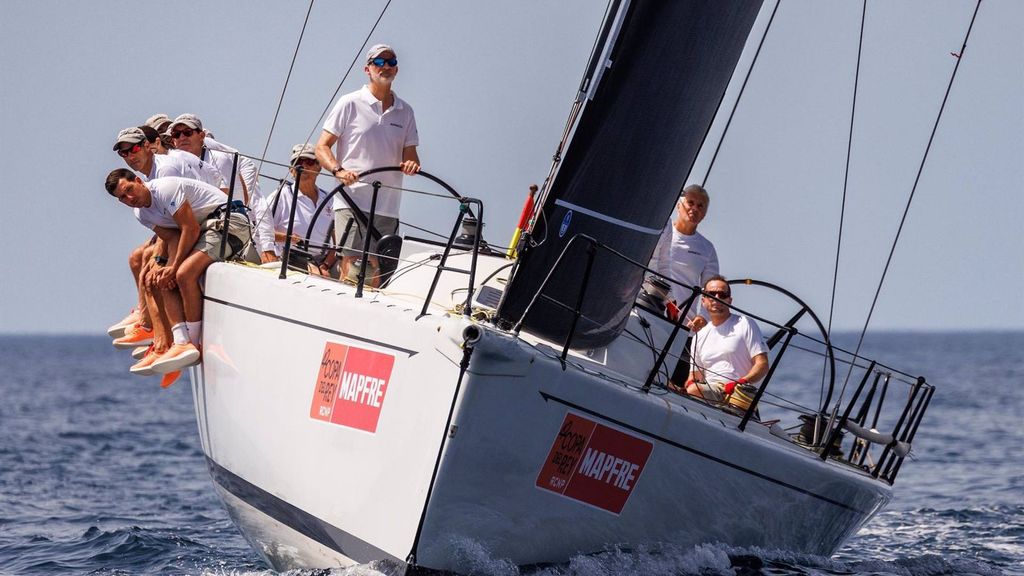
[(725, 352), (368, 138), (184, 165), (690, 259), (303, 215), (168, 195)]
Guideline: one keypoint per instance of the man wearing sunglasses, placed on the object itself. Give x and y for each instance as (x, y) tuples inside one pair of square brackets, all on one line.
[(186, 215), (188, 135), (369, 128), (146, 325), (729, 351), (137, 151)]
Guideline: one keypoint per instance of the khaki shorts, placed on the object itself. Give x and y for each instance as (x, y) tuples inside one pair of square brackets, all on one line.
[(711, 391), (210, 237), (353, 245)]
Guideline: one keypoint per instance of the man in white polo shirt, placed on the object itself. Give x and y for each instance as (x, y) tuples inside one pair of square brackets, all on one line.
[(135, 147), (188, 135), (184, 214), (369, 128)]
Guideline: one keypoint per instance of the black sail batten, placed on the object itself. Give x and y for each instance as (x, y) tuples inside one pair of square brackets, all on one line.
[(633, 146)]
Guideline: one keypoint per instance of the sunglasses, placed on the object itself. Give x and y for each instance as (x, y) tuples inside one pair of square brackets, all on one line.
[(124, 152), (720, 294), (307, 162), (380, 62), (187, 133)]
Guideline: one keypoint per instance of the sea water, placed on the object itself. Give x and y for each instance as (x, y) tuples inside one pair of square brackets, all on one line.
[(101, 473)]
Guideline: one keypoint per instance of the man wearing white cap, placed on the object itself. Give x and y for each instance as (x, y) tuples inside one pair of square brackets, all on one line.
[(370, 128)]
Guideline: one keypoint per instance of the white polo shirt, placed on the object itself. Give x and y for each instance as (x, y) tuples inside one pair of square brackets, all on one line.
[(168, 194), (184, 165), (369, 138), (303, 216)]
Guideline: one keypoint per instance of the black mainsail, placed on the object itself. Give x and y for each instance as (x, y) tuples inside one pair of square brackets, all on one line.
[(652, 94)]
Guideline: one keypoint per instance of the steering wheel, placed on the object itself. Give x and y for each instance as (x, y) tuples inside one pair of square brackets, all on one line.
[(804, 308)]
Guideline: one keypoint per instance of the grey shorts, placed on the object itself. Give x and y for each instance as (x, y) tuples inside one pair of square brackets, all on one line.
[(353, 245), (210, 237)]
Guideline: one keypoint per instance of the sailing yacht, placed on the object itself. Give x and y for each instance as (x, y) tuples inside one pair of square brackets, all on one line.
[(508, 402)]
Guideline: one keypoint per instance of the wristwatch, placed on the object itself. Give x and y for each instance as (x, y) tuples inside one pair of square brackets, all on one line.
[(336, 170)]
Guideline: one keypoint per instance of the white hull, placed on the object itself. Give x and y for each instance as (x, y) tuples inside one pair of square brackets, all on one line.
[(457, 456)]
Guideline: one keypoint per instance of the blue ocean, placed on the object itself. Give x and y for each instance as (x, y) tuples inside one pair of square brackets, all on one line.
[(101, 473)]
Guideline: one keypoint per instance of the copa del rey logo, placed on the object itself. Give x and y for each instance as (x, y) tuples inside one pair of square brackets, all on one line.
[(593, 463), (351, 386)]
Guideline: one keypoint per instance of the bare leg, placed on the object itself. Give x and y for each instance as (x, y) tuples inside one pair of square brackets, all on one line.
[(135, 261), (188, 283), (372, 275)]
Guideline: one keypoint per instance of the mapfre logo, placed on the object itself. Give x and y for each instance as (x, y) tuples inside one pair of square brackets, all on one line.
[(351, 386), (594, 464)]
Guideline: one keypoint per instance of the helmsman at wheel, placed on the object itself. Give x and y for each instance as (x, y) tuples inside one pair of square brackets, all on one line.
[(369, 128), (728, 351)]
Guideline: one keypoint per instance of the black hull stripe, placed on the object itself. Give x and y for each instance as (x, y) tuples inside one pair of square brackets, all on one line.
[(299, 520), (702, 454), (408, 352)]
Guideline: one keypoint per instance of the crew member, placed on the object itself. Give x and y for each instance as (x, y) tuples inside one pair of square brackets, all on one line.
[(310, 197), (369, 128), (728, 351), (184, 214)]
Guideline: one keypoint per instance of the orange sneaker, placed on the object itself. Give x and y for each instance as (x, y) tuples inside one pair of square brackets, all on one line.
[(170, 378), (118, 330), (177, 357), (140, 352), (144, 367), (137, 335)]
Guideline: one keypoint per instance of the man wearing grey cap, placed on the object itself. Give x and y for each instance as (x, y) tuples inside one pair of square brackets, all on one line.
[(278, 207), (133, 145), (188, 135), (370, 128), (161, 123)]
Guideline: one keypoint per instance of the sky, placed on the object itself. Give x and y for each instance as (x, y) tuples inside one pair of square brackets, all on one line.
[(492, 84)]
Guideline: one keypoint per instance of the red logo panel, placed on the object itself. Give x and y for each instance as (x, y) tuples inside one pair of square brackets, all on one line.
[(351, 386), (593, 463)]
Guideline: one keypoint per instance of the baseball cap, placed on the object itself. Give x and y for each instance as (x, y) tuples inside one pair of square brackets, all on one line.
[(190, 120), (157, 120), (303, 151), (379, 49), (131, 135)]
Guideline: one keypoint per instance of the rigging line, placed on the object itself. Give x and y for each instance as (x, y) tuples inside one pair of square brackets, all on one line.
[(347, 72), (913, 190), (285, 87), (846, 180), (739, 96)]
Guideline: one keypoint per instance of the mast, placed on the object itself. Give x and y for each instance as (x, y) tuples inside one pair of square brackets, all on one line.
[(651, 92)]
